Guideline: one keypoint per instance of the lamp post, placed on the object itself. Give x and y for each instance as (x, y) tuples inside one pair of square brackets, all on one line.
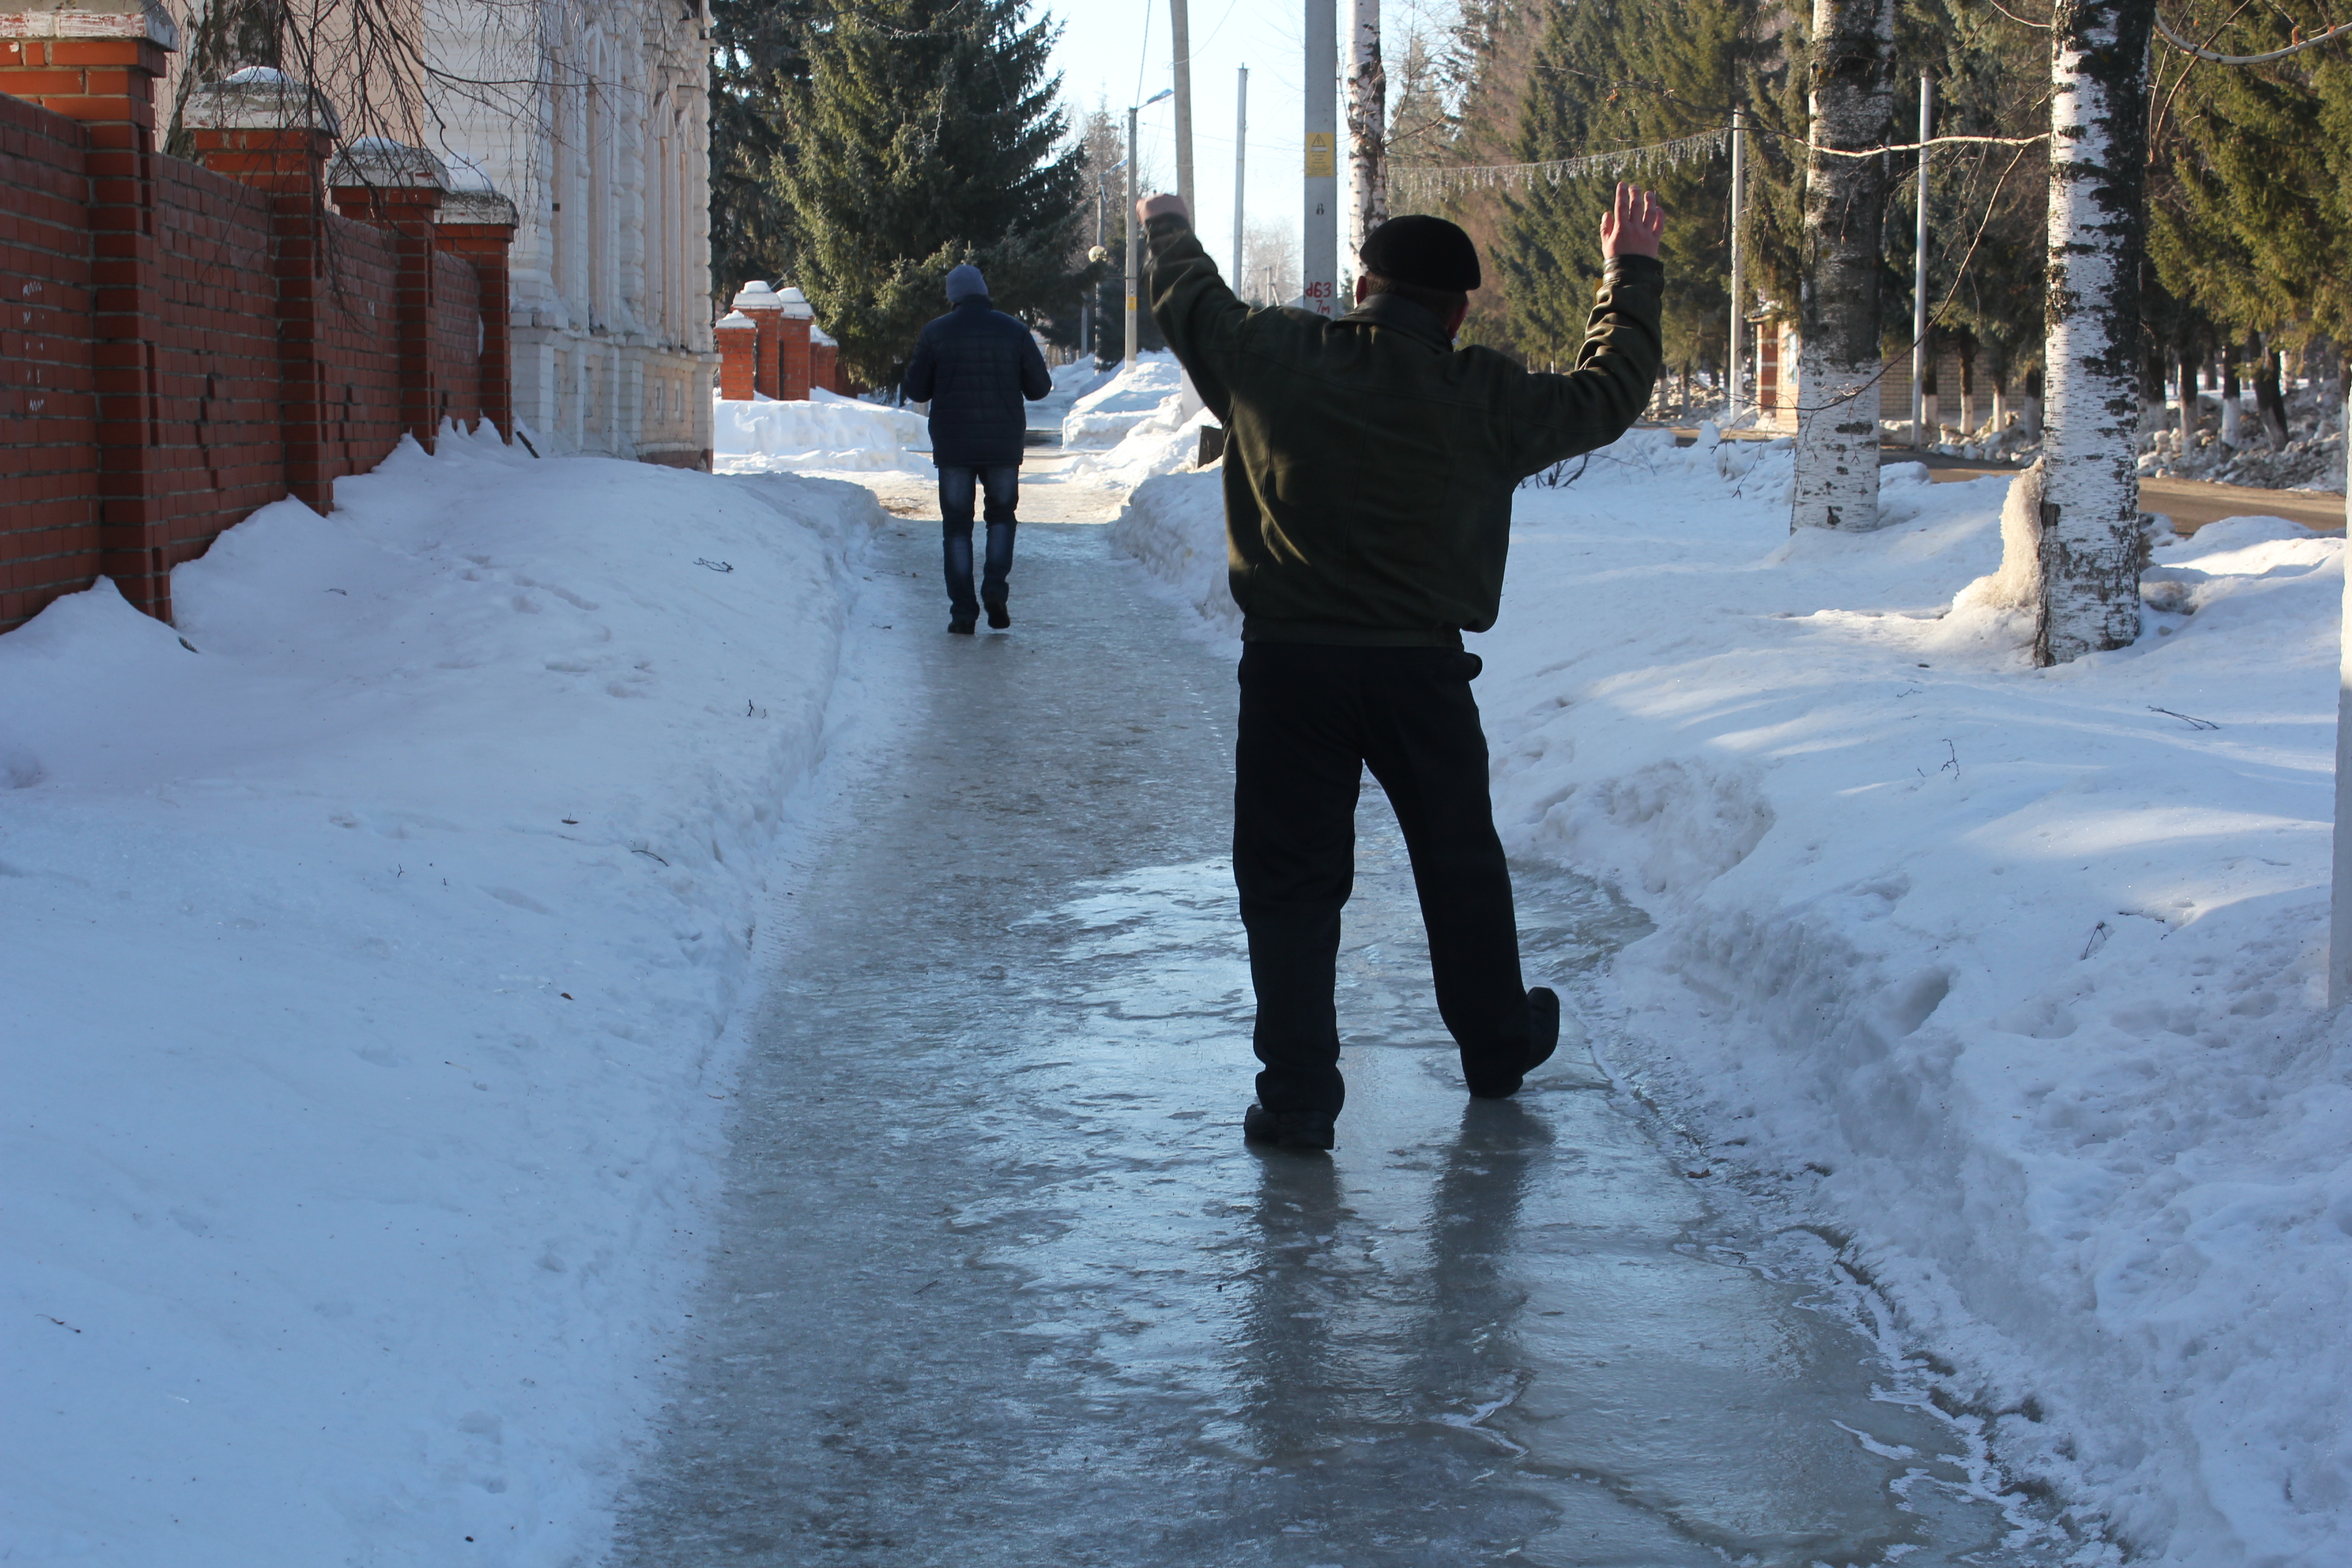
[(1919, 275), (1100, 253), (1134, 227), (1240, 162)]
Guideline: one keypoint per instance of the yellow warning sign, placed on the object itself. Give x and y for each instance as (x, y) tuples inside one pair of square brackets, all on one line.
[(1322, 161)]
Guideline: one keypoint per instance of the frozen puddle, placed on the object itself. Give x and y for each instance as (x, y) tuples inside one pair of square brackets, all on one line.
[(998, 1282)]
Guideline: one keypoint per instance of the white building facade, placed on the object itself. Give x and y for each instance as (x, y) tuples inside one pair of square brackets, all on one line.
[(594, 117)]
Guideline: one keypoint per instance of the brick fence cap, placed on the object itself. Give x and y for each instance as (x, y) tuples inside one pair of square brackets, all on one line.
[(473, 196), (88, 19), (736, 321), (823, 339), (259, 98), (757, 296), (796, 304), (381, 162)]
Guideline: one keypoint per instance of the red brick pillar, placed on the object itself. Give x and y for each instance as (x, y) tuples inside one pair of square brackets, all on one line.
[(739, 345), (824, 363), (766, 309), (401, 188), (793, 361), (265, 130), (479, 225), (98, 64)]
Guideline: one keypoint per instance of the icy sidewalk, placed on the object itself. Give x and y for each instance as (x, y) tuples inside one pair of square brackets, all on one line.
[(367, 962), (2008, 979)]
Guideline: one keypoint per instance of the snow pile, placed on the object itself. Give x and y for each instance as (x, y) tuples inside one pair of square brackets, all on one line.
[(1175, 525), (2312, 457), (2006, 980), (368, 942), (1103, 417), (827, 431)]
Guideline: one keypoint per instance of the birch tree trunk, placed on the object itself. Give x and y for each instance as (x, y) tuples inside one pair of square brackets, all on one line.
[(2092, 541), (1368, 119), (1852, 102)]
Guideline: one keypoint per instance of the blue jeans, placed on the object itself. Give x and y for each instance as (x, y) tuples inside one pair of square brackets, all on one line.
[(1000, 485)]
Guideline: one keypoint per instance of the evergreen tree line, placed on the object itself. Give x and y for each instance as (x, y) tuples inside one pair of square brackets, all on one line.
[(2250, 183), (862, 148)]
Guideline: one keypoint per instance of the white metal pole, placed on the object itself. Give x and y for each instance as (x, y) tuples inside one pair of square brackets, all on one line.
[(1319, 246), (1180, 40), (1734, 357), (1134, 236), (1241, 165), (1919, 275)]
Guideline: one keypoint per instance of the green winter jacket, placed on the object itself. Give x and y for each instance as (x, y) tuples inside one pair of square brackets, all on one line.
[(1369, 463)]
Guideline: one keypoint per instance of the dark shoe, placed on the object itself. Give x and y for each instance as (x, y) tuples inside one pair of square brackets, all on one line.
[(1543, 1038), (1288, 1129), (961, 625), (999, 616)]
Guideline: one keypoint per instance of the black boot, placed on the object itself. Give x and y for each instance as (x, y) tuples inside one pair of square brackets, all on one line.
[(999, 616), (1289, 1129), (1543, 1038), (961, 624)]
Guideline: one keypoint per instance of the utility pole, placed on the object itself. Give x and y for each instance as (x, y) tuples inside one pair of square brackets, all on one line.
[(1738, 263), (1134, 236), (1319, 246), (1180, 30), (1241, 163), (1919, 275)]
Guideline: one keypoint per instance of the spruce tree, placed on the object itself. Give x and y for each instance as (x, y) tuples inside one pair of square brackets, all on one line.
[(2251, 214), (759, 55), (926, 135), (1605, 77)]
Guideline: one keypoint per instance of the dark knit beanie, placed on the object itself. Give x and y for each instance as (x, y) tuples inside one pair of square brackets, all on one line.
[(1427, 252)]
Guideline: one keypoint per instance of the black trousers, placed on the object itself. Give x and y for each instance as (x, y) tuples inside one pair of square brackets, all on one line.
[(1313, 718)]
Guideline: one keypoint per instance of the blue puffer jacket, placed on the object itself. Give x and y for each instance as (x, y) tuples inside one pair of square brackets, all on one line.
[(974, 365)]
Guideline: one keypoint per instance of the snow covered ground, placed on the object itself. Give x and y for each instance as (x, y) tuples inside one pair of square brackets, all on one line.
[(2007, 981), (369, 944), (1114, 406), (826, 431)]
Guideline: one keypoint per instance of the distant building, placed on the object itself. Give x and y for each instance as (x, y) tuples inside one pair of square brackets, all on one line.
[(594, 117)]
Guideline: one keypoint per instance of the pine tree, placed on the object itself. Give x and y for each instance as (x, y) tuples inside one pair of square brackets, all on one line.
[(759, 57), (2252, 214), (927, 134), (1605, 77)]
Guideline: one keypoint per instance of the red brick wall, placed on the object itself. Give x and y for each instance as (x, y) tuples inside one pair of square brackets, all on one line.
[(48, 415), (456, 339), (211, 358), (359, 351), (245, 344)]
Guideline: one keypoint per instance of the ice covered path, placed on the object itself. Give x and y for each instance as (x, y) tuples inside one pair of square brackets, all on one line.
[(998, 1283)]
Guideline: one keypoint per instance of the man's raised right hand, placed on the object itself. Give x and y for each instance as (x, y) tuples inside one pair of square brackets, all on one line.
[(1634, 224)]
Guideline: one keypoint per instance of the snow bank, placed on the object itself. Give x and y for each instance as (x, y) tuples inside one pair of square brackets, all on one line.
[(367, 955), (1103, 417), (827, 431), (1175, 525), (2008, 980)]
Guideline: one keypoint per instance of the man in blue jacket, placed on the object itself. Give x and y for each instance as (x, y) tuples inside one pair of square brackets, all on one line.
[(974, 365)]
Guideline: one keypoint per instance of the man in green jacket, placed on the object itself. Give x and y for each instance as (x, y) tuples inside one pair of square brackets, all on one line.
[(1368, 478)]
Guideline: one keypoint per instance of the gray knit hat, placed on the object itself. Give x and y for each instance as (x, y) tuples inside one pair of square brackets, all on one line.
[(964, 283)]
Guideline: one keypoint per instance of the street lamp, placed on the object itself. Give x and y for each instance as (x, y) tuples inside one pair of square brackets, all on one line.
[(1086, 305), (1135, 227)]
